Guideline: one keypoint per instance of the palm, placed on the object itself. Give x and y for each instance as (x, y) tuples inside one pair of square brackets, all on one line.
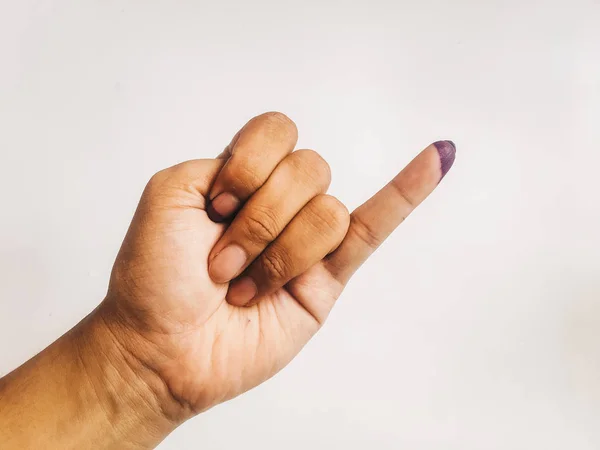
[(184, 312)]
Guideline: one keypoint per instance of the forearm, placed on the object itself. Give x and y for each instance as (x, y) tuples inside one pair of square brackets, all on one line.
[(84, 391)]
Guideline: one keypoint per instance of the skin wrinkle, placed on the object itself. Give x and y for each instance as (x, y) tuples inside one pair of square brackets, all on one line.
[(127, 358), (122, 348)]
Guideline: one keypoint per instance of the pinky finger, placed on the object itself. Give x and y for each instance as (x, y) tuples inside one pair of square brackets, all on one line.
[(372, 222)]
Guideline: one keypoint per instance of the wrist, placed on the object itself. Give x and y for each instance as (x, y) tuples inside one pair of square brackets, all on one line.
[(134, 399), (83, 391), (144, 359)]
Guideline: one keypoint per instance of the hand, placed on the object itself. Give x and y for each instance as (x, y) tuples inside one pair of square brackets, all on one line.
[(231, 265)]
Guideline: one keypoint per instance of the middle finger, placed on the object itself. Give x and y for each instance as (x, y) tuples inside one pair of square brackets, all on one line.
[(298, 178)]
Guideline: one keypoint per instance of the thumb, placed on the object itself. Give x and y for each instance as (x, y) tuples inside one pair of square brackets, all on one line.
[(184, 185)]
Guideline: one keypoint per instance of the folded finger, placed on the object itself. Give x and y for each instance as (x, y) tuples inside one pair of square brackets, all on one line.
[(313, 233), (294, 182), (251, 157)]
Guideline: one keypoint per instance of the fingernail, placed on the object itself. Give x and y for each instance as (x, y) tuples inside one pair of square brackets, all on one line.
[(447, 152), (222, 206), (227, 264), (242, 291)]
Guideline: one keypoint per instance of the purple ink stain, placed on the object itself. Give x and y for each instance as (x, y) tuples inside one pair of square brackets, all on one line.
[(447, 152)]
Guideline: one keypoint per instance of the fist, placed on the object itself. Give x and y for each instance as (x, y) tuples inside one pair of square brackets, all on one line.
[(231, 265)]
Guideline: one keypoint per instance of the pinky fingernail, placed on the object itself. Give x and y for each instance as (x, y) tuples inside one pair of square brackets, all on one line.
[(447, 152)]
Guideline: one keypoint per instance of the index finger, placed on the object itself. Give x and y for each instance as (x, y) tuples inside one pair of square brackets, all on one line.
[(372, 222), (251, 157)]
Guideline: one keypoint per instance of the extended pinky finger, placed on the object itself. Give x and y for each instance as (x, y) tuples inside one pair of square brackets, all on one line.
[(376, 219)]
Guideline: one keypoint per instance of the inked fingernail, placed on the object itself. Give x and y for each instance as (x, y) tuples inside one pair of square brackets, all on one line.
[(227, 264), (222, 206), (242, 291), (447, 152)]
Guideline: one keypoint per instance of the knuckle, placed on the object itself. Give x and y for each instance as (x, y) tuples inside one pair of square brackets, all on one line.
[(261, 226), (280, 118), (242, 177), (330, 214), (275, 266), (279, 123), (313, 164)]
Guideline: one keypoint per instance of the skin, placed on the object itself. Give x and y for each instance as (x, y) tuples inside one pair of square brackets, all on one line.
[(229, 267)]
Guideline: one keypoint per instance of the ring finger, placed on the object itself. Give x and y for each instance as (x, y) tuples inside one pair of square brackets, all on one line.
[(313, 233), (298, 178)]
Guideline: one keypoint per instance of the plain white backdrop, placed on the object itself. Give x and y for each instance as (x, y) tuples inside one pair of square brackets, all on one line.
[(477, 325)]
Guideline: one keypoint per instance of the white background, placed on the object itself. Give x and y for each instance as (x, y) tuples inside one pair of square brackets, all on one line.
[(477, 326)]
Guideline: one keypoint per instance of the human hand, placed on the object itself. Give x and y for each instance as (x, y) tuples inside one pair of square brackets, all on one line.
[(213, 309)]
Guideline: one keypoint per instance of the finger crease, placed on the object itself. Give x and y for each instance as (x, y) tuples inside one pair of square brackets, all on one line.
[(402, 193), (260, 231), (364, 232)]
